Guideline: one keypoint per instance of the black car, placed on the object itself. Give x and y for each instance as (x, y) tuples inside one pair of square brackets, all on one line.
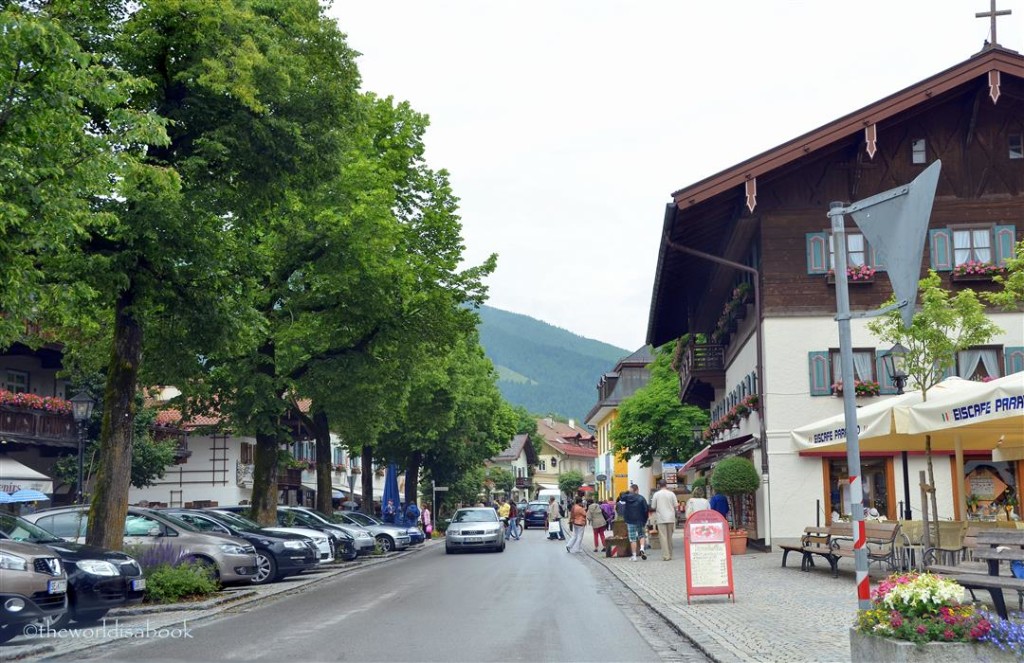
[(341, 541), (278, 554), (535, 515), (98, 579)]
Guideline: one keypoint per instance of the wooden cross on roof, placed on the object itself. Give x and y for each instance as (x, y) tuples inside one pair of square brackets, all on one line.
[(992, 14)]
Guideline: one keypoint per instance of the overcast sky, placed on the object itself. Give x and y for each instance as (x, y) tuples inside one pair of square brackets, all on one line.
[(566, 125)]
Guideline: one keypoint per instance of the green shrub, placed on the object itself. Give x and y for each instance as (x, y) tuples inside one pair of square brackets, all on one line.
[(170, 584), (699, 482), (735, 476)]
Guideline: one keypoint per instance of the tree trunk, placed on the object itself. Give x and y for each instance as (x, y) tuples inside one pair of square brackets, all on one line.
[(110, 489), (412, 477), (367, 476), (324, 487), (264, 480)]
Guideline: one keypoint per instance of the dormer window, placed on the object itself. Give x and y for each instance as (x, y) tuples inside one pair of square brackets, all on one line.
[(918, 151)]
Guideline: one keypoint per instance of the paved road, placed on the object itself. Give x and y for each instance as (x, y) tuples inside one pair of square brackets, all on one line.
[(534, 602)]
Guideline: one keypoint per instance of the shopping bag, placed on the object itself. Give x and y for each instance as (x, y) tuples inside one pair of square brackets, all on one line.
[(553, 527)]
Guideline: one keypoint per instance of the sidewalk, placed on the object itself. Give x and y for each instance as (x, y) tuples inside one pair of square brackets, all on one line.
[(780, 614)]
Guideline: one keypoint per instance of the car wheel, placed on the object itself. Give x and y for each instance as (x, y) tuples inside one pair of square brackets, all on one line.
[(448, 550), (386, 543), (266, 569)]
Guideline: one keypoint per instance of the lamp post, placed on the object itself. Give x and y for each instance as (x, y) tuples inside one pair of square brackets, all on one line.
[(81, 410), (895, 360)]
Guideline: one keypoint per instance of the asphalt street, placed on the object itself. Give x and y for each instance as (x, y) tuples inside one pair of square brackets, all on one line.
[(534, 602)]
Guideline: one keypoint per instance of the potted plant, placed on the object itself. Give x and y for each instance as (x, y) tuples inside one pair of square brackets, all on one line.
[(735, 477)]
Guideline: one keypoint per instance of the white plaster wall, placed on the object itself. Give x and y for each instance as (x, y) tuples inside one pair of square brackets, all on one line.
[(643, 477), (196, 478)]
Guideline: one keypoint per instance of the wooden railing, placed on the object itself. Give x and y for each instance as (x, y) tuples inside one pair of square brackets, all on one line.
[(37, 424), (702, 359), (523, 482)]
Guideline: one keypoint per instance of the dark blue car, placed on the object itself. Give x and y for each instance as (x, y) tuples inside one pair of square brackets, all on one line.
[(535, 515)]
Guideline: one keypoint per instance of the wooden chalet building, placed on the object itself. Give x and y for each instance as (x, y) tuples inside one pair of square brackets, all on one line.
[(768, 215)]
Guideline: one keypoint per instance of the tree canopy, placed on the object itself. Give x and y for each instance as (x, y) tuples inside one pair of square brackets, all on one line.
[(652, 423)]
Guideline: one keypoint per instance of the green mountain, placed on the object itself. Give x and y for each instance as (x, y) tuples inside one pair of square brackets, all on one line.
[(546, 369)]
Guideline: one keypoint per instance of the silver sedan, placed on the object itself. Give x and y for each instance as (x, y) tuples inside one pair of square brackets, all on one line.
[(474, 528)]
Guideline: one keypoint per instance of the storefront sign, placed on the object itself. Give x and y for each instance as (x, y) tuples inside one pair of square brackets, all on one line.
[(708, 555)]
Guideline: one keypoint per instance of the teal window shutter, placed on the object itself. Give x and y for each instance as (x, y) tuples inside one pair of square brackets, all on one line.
[(940, 249), (818, 369), (887, 386), (817, 253), (1013, 358), (1004, 238)]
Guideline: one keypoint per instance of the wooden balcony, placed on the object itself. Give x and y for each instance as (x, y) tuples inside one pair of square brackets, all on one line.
[(290, 477), (701, 372), (523, 482), (37, 427)]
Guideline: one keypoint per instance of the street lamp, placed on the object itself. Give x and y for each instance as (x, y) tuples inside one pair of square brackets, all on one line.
[(895, 360), (81, 410)]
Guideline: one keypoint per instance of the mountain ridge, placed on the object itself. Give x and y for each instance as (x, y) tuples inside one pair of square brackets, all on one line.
[(544, 368)]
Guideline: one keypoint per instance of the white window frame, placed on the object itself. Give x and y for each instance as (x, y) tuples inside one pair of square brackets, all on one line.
[(972, 251)]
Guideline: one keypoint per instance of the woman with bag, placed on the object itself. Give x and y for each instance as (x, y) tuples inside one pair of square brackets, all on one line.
[(428, 527), (595, 516), (578, 517)]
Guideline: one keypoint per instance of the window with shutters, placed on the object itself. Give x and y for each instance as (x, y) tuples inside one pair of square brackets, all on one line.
[(821, 253), (972, 245), (856, 250), (247, 454), (982, 363), (826, 375)]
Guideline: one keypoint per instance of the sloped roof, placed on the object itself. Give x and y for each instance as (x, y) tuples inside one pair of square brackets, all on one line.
[(566, 439), (514, 449)]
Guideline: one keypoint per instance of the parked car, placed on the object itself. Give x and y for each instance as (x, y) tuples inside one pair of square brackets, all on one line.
[(535, 515), (278, 554), (389, 537), (474, 528), (365, 543), (286, 517), (232, 560), (33, 586), (98, 579), (322, 542)]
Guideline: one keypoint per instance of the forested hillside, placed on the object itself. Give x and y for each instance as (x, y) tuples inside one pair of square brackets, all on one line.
[(544, 368)]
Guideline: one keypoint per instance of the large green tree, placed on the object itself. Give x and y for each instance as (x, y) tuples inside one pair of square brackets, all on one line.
[(942, 326), (652, 423)]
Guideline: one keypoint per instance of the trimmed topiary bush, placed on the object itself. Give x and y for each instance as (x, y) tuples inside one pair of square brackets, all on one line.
[(735, 476)]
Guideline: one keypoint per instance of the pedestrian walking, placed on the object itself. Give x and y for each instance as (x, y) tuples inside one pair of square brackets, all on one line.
[(665, 504), (554, 520), (595, 516), (696, 502), (635, 511), (513, 522), (428, 524), (578, 518)]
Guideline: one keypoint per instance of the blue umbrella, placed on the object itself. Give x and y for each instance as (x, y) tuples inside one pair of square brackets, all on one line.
[(4, 497), (28, 495), (391, 490)]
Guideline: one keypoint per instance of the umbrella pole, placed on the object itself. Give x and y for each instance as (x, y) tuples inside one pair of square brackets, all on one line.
[(960, 488), (906, 487)]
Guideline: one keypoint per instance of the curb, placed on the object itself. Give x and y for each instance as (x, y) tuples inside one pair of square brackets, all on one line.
[(698, 644)]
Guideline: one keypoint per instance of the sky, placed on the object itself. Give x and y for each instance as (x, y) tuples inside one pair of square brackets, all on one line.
[(565, 125)]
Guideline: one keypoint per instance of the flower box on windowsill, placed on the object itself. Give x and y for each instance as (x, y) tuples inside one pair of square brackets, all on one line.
[(860, 280), (962, 278)]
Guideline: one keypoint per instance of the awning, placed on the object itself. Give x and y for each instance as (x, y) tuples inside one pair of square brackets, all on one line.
[(548, 486), (586, 489), (14, 477), (699, 456), (338, 493)]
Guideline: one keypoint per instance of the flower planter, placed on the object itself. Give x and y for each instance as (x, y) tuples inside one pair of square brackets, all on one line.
[(958, 278), (831, 280), (865, 648), (738, 542)]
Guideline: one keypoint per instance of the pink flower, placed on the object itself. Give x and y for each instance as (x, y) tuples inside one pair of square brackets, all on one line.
[(921, 629), (948, 634)]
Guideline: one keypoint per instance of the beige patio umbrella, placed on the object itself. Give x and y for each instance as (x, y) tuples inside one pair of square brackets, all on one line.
[(971, 415)]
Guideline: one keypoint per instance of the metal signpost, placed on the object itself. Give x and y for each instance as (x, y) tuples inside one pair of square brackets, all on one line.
[(895, 224)]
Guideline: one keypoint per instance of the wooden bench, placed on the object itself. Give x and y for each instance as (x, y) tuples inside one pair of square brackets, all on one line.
[(993, 547), (814, 540), (880, 544)]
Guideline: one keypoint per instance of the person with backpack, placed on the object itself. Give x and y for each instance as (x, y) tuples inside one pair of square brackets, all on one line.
[(635, 511), (412, 515)]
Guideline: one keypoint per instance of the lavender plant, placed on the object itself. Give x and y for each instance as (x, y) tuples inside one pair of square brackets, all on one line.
[(1006, 634)]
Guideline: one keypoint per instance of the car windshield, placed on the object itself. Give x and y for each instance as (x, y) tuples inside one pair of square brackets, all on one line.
[(475, 516), (300, 517), (237, 521), (13, 527), (161, 517), (363, 519)]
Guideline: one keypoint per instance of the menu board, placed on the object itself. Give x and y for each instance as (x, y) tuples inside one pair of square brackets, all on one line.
[(708, 555)]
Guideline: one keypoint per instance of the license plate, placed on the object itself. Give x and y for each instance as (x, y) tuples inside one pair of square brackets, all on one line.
[(56, 586), (139, 584), (474, 539)]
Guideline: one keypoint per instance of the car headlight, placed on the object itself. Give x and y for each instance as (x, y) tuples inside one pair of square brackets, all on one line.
[(364, 535), (232, 549), (294, 545), (13, 562), (97, 567)]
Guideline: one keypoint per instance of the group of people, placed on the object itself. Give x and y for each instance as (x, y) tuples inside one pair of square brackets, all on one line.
[(598, 515), (413, 516)]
